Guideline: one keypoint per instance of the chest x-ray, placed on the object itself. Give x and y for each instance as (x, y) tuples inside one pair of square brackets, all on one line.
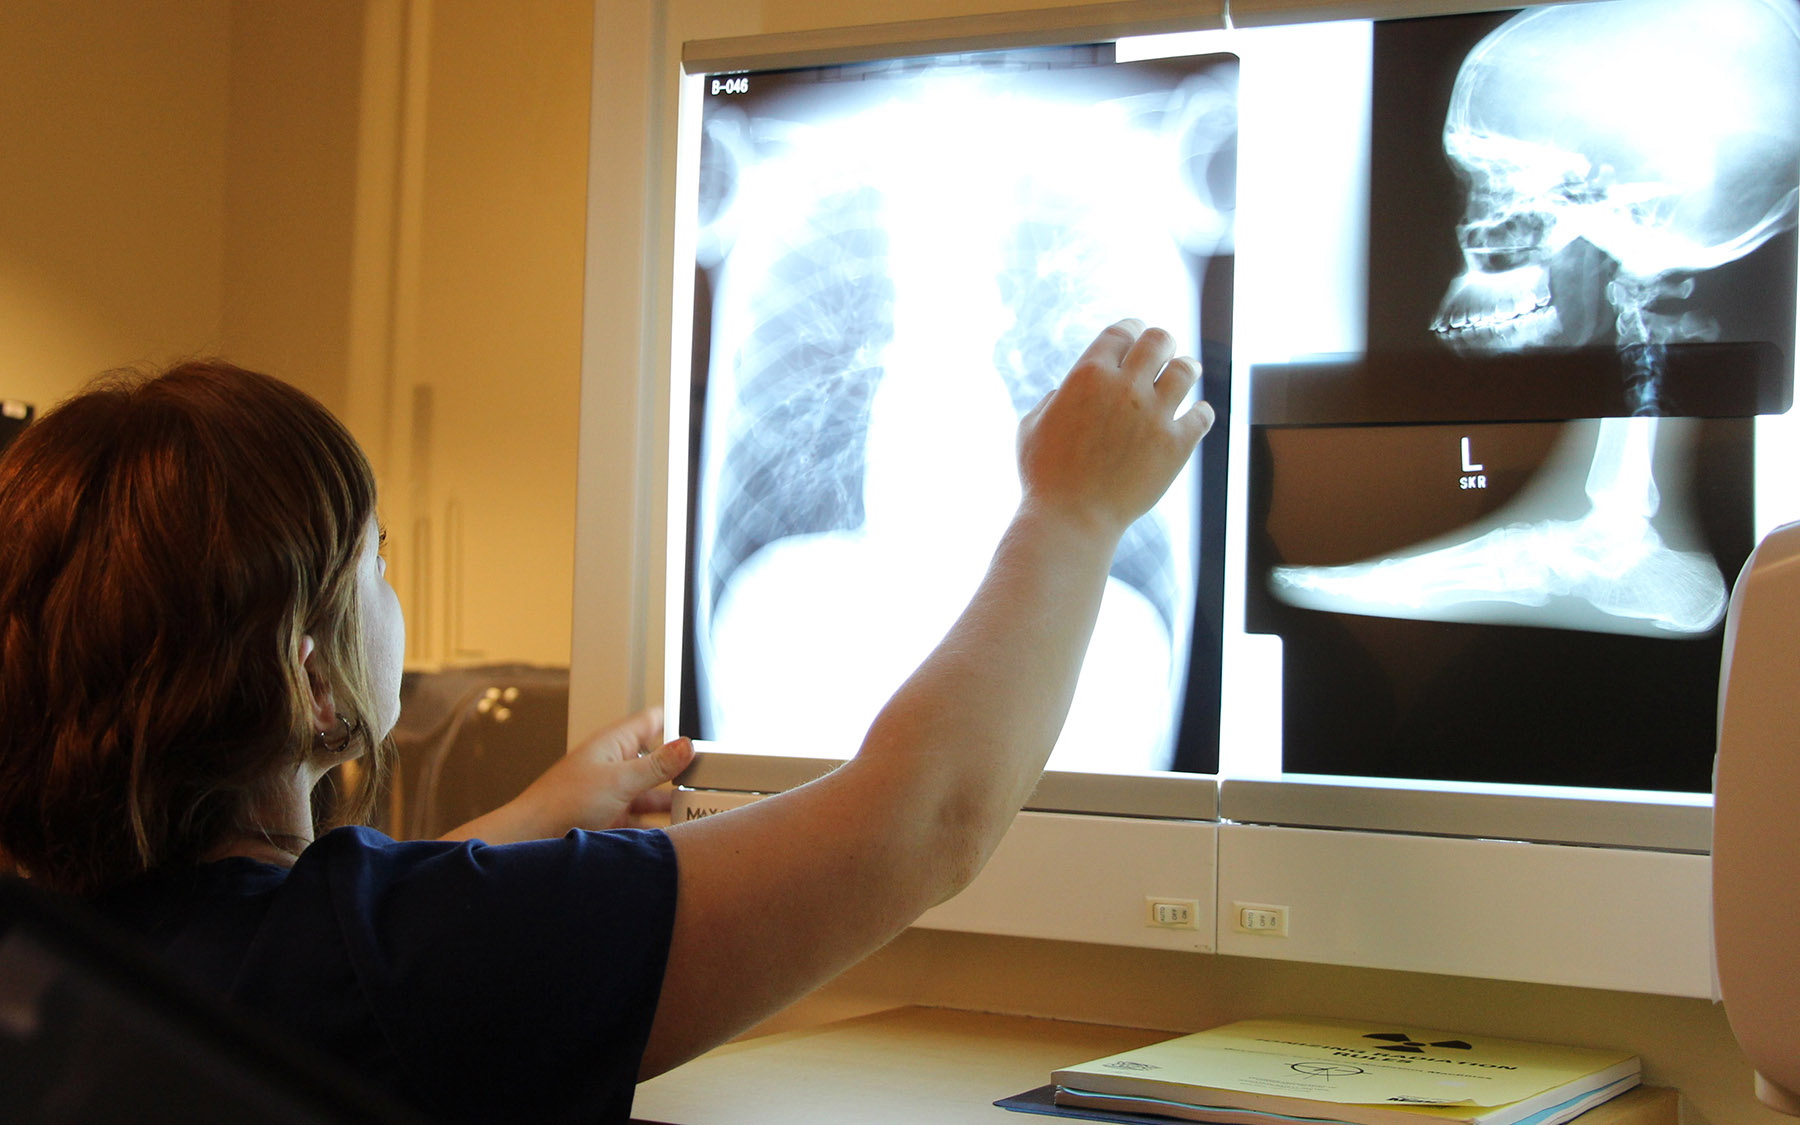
[(896, 262), (1586, 268)]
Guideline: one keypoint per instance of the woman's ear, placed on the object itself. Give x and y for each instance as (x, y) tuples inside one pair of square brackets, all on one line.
[(324, 713)]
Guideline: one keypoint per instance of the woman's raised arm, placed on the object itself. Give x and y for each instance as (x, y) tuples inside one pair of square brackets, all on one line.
[(778, 897)]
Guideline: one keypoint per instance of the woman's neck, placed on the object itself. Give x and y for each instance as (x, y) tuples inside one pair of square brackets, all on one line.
[(276, 851), (281, 825)]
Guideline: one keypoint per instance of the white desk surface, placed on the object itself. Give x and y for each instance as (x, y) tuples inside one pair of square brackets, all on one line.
[(927, 1065), (906, 1064)]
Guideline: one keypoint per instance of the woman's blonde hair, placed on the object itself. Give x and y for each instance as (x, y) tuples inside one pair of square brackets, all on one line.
[(168, 540)]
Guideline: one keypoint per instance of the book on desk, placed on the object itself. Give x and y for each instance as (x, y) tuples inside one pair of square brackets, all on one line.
[(1272, 1071)]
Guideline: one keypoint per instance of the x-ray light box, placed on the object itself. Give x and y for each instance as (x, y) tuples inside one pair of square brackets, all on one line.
[(1498, 317)]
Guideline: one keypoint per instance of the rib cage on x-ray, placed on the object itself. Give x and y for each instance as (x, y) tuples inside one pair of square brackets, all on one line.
[(886, 289), (806, 377), (808, 372), (1053, 310)]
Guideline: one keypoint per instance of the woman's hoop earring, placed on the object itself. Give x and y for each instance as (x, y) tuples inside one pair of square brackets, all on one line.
[(333, 747)]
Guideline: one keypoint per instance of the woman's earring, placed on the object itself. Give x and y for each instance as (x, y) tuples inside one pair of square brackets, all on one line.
[(333, 747)]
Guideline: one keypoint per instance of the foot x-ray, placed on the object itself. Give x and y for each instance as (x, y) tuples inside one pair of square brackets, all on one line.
[(895, 262), (1583, 257)]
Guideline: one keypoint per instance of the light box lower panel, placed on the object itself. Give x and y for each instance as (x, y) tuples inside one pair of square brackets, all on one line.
[(1634, 921), (1069, 877), (1091, 878)]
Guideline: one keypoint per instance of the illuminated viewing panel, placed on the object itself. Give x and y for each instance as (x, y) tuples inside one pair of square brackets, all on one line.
[(895, 262), (1498, 313), (1580, 292)]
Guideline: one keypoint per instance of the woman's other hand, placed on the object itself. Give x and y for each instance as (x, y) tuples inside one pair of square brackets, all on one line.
[(609, 780)]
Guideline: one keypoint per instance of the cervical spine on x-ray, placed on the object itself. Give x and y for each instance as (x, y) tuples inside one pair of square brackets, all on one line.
[(1611, 152)]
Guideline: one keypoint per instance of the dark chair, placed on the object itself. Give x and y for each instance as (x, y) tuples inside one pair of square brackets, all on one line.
[(93, 1029)]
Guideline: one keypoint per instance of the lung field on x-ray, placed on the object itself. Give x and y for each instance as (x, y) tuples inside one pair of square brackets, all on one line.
[(1042, 284), (808, 372), (807, 375), (892, 273)]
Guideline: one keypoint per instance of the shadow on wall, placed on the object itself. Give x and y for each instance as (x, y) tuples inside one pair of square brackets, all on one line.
[(471, 739)]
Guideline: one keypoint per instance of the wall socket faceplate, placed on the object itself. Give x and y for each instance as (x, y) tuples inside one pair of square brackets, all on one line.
[(1172, 913), (1259, 918)]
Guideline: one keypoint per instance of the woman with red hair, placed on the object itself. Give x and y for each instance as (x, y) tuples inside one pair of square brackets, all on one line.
[(199, 647)]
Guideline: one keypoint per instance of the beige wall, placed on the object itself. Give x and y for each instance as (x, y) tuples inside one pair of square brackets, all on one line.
[(493, 328), (112, 174), (290, 189), (443, 259), (381, 201)]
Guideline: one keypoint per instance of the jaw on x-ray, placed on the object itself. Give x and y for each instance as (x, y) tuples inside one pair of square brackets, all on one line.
[(1612, 153), (891, 289)]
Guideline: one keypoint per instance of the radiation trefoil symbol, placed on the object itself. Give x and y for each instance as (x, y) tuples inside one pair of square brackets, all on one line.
[(1401, 1041)]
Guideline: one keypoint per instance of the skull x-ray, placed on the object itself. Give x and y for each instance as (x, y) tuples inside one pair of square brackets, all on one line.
[(1583, 261), (895, 262)]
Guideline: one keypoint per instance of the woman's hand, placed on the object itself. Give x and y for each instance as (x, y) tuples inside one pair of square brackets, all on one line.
[(1108, 441), (605, 782), (615, 774)]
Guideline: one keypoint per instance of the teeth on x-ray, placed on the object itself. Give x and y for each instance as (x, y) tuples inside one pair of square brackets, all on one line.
[(1597, 184)]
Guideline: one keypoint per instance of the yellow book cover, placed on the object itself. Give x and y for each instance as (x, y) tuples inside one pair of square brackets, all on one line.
[(1365, 1072)]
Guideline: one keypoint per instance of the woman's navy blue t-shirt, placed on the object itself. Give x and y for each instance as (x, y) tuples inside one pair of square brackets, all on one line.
[(478, 983)]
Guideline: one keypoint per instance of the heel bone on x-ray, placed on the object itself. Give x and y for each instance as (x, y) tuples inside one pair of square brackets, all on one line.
[(1598, 188), (1605, 570)]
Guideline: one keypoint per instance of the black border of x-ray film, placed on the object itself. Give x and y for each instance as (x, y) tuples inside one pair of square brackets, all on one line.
[(830, 90)]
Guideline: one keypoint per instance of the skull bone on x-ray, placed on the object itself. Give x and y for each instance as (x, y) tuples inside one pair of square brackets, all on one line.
[(1611, 151)]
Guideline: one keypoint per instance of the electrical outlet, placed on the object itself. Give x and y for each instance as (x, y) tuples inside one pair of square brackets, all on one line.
[(1259, 918), (1172, 913)]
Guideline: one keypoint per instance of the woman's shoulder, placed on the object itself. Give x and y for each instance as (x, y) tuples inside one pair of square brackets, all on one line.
[(361, 843), (366, 863)]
